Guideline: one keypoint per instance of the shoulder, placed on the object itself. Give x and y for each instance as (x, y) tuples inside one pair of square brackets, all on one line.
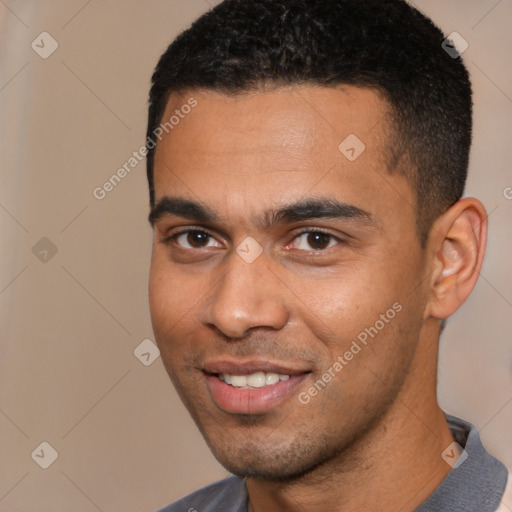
[(228, 495)]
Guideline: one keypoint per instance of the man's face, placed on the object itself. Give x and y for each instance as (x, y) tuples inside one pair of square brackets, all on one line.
[(279, 309)]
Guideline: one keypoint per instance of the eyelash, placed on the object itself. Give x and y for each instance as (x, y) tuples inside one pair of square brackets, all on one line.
[(174, 237)]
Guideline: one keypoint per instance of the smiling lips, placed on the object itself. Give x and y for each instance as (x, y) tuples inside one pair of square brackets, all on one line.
[(247, 389)]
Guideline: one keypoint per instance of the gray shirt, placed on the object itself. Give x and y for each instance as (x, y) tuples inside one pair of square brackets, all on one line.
[(476, 485)]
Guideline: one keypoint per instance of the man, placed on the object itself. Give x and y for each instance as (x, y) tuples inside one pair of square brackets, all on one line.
[(309, 241)]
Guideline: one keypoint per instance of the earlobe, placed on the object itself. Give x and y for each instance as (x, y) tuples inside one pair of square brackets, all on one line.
[(458, 240)]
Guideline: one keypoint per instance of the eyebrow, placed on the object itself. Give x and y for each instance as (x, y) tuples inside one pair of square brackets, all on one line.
[(307, 209)]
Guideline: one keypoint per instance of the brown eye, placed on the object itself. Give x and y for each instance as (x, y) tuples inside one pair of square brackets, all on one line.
[(318, 240), (315, 241), (193, 239)]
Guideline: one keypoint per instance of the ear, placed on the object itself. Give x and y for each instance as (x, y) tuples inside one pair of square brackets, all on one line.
[(457, 245)]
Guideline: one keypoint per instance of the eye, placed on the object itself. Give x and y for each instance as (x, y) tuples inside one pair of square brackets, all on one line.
[(315, 240), (193, 239)]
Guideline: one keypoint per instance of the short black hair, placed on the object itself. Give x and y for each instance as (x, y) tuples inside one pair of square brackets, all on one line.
[(387, 45)]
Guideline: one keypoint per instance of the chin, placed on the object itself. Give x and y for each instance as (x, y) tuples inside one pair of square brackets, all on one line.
[(284, 461)]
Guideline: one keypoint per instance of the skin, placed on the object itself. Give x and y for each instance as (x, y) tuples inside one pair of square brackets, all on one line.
[(375, 433)]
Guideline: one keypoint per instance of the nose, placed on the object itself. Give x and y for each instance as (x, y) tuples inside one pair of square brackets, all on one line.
[(249, 295)]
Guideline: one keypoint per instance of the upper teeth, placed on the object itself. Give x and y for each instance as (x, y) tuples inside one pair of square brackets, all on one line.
[(255, 380)]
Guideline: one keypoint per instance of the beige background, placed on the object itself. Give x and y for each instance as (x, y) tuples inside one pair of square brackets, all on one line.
[(69, 326)]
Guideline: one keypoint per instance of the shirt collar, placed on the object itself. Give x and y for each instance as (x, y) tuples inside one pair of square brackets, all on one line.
[(477, 484)]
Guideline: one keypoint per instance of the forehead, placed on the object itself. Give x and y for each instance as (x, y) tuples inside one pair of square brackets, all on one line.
[(264, 148), (289, 122)]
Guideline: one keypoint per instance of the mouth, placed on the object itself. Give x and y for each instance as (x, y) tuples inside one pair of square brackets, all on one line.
[(252, 387)]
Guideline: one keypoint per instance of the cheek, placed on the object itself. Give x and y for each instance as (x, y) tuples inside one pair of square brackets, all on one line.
[(163, 302), (348, 301), (160, 298), (167, 302), (169, 299), (368, 361), (174, 306), (366, 316)]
